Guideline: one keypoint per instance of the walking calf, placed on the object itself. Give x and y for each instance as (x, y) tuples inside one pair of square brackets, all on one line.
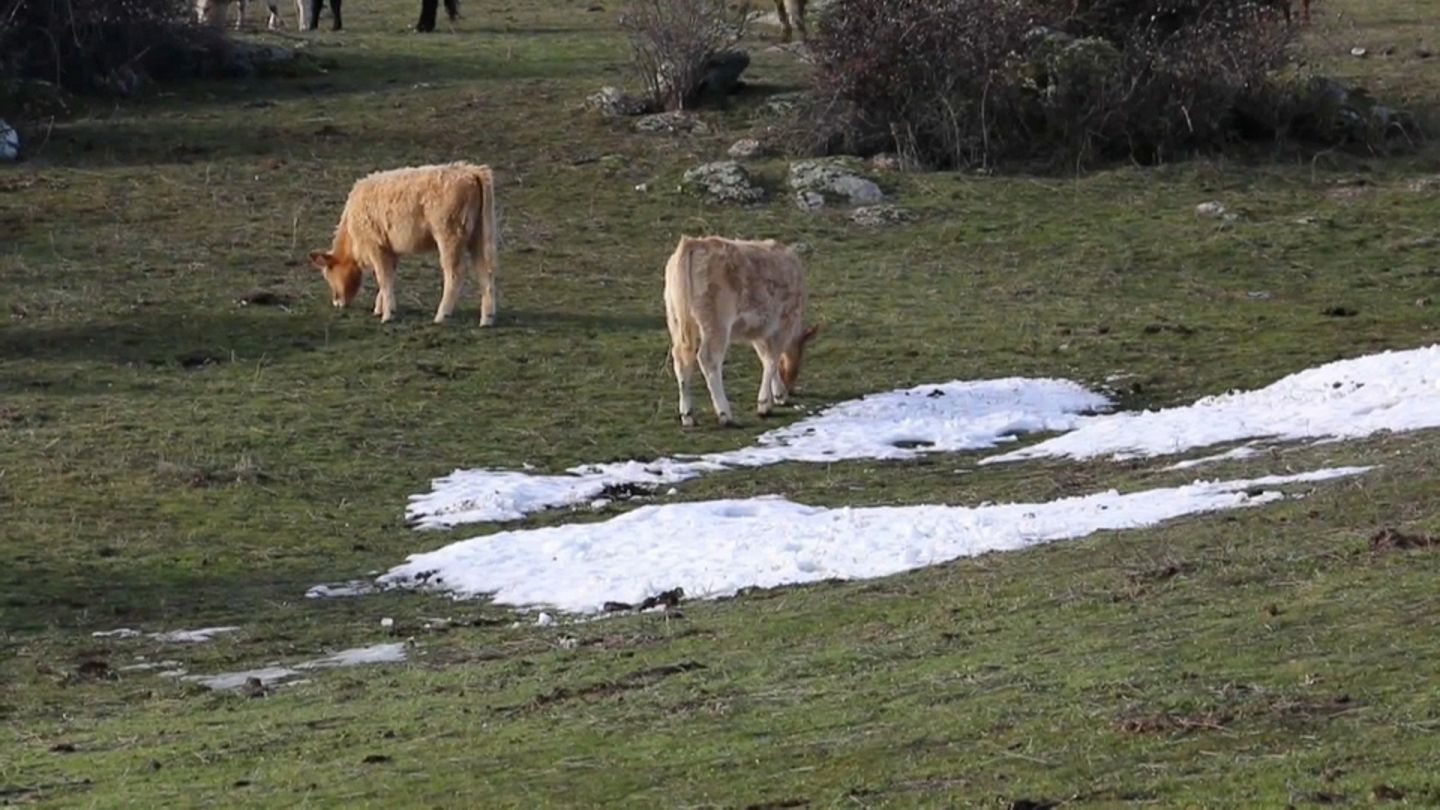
[(718, 290)]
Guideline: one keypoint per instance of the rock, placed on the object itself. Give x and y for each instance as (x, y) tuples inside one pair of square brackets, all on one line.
[(834, 177), (746, 148), (781, 104), (872, 216), (1423, 53), (1423, 184), (1210, 209), (809, 200), (724, 181), (613, 164), (885, 162), (673, 122), (1358, 52), (801, 248), (612, 102), (9, 142)]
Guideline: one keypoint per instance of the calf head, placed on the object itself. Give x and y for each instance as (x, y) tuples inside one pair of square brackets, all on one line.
[(342, 274), (791, 357)]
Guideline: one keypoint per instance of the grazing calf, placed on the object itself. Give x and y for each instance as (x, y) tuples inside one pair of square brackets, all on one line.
[(718, 290), (791, 10), (449, 208), (427, 13)]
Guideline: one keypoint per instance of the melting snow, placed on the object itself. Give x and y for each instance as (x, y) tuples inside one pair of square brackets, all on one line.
[(376, 654), (173, 636), (894, 425), (1347, 399), (715, 548)]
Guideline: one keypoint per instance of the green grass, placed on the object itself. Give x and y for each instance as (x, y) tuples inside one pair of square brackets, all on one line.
[(171, 459)]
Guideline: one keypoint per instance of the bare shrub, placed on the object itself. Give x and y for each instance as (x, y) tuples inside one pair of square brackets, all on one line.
[(674, 42), (89, 45), (983, 82)]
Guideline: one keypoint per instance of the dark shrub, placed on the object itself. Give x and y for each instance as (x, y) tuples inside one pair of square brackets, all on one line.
[(90, 45), (675, 43), (981, 82)]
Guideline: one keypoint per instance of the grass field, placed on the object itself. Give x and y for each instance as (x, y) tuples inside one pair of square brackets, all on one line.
[(171, 459)]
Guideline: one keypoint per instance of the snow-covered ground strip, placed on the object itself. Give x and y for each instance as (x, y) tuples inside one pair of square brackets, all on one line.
[(1240, 453), (171, 636), (954, 416), (1347, 399), (715, 548), (268, 676)]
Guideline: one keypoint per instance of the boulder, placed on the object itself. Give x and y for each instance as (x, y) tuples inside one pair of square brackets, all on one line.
[(723, 181), (872, 216), (809, 200), (612, 102), (834, 178), (672, 122), (9, 142), (746, 148)]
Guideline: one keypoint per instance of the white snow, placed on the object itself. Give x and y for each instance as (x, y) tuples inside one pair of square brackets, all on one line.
[(1244, 451), (376, 654), (192, 636), (714, 548), (355, 587), (172, 636), (1347, 399), (954, 416)]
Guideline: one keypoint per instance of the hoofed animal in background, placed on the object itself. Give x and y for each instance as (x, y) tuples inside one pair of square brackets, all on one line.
[(428, 8), (722, 290), (389, 214), (212, 12), (312, 19), (791, 10)]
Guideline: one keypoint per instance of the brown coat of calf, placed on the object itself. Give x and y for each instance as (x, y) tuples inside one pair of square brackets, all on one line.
[(449, 208), (718, 290)]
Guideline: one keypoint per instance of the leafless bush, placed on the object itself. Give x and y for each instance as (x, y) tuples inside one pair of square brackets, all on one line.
[(983, 82), (673, 42), (89, 45)]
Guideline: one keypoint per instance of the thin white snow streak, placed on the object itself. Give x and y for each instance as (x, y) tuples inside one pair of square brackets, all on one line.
[(893, 425), (1347, 399), (268, 676), (715, 548), (172, 636)]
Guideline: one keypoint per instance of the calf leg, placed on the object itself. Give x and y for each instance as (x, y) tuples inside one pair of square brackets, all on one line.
[(313, 21), (769, 379), (427, 15), (797, 17), (684, 361), (712, 365), (385, 279), (451, 264), (452, 9), (240, 15), (335, 13), (274, 23), (485, 273)]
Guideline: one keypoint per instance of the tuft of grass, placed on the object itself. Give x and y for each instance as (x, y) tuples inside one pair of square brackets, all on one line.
[(190, 437)]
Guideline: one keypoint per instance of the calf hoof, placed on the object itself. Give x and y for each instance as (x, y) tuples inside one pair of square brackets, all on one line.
[(762, 410), (439, 319), (687, 420), (490, 321), (727, 422)]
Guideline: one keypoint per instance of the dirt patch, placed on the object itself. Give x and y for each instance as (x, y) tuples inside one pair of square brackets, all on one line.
[(626, 491), (263, 298), (1389, 541), (669, 599), (635, 680), (777, 804), (1175, 328), (1339, 312), (912, 444), (1167, 723)]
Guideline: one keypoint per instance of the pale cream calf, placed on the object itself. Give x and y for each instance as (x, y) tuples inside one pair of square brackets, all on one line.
[(721, 290), (449, 208), (212, 12), (791, 11)]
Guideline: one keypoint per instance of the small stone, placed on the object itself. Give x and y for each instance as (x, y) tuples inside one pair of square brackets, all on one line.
[(672, 122), (1358, 52), (642, 187), (387, 622), (885, 162), (872, 216), (1210, 209), (612, 102), (544, 620), (745, 148), (809, 200), (1423, 302)]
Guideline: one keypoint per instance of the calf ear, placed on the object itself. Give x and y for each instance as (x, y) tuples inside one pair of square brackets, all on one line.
[(321, 259)]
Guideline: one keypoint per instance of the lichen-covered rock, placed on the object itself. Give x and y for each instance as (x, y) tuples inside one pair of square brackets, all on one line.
[(781, 104), (673, 122), (612, 102), (834, 178), (746, 148), (872, 216), (809, 200), (724, 181)]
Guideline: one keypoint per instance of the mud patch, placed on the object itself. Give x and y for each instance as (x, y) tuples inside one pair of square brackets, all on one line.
[(635, 680), (1390, 541)]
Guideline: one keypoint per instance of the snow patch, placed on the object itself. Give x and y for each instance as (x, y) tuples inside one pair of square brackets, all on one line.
[(714, 548), (895, 425), (1244, 451), (1347, 399), (172, 636), (271, 675)]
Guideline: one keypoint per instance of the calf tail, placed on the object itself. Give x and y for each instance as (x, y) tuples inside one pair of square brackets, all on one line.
[(489, 228)]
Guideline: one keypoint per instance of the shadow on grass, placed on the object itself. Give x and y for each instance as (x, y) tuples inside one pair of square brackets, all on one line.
[(179, 340), (598, 321)]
